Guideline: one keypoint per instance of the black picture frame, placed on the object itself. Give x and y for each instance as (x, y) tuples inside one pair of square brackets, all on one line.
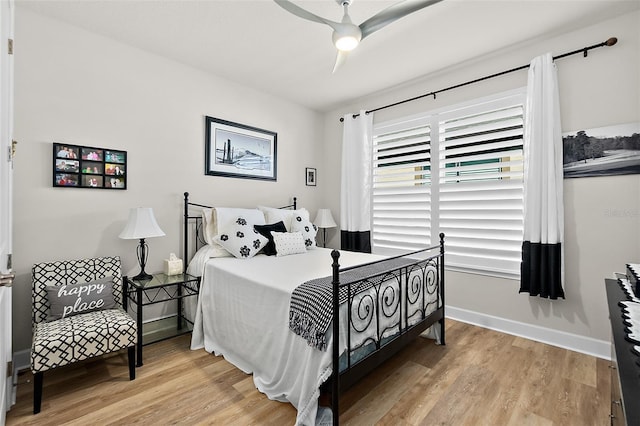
[(78, 166), (240, 151), (310, 176)]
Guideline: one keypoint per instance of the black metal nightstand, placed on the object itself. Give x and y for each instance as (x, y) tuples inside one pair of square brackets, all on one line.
[(160, 288)]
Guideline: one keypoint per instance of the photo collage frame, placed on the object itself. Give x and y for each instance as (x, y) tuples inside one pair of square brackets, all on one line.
[(76, 166)]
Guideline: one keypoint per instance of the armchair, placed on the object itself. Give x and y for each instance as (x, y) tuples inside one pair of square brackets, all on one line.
[(72, 338)]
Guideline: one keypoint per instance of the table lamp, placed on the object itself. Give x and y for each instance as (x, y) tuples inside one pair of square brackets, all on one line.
[(141, 224), (323, 221)]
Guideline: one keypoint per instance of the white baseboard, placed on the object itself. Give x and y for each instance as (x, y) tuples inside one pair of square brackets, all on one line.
[(574, 342), (21, 360)]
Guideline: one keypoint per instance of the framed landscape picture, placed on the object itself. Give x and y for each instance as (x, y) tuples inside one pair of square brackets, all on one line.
[(602, 151), (240, 151)]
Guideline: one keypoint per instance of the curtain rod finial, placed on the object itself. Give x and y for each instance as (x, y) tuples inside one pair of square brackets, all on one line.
[(611, 41)]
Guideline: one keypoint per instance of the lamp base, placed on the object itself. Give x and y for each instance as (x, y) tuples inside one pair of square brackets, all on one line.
[(142, 253), (142, 276)]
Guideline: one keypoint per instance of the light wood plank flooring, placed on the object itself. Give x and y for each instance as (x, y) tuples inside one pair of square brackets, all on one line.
[(481, 377)]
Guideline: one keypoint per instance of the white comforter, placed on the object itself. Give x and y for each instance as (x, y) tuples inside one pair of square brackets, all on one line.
[(243, 314)]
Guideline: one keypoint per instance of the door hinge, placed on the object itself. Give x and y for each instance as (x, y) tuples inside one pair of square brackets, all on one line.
[(9, 261), (10, 46), (10, 369)]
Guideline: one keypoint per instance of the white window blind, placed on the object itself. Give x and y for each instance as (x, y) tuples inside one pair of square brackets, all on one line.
[(401, 204), (475, 195), (481, 185)]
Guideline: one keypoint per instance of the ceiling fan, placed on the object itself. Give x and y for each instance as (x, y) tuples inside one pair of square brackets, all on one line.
[(346, 34)]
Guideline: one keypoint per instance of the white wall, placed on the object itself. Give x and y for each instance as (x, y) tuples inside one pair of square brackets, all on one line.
[(76, 87), (602, 214)]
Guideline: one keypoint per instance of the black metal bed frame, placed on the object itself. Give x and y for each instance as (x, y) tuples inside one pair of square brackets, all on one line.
[(412, 293)]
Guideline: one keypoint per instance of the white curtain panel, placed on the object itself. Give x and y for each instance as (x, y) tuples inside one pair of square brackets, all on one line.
[(542, 251), (355, 195)]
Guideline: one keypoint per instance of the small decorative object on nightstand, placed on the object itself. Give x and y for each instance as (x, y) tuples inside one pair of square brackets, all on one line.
[(141, 224), (173, 265), (323, 221)]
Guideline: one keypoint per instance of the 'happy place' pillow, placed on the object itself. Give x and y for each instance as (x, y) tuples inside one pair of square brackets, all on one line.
[(74, 299), (241, 240)]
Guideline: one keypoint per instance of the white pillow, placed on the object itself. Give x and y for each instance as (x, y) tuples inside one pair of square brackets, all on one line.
[(307, 229), (241, 240), (217, 218), (288, 243), (273, 215), (207, 223)]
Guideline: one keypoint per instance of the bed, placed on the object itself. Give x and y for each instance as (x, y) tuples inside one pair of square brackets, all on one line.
[(261, 313)]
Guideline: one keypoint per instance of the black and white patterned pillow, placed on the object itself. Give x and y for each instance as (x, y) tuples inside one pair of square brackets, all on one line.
[(308, 230), (241, 240)]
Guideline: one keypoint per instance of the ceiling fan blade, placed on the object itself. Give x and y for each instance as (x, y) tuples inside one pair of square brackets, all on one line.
[(340, 59), (391, 14), (300, 12)]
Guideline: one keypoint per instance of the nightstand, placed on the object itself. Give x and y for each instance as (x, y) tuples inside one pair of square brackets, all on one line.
[(160, 288)]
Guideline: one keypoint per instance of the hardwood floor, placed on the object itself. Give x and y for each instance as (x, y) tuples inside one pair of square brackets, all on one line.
[(481, 377)]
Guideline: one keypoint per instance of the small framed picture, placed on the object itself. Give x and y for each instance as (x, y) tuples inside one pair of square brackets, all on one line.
[(67, 165), (114, 156), (112, 182), (66, 151), (91, 154), (92, 181), (310, 176), (114, 169), (64, 179), (92, 168)]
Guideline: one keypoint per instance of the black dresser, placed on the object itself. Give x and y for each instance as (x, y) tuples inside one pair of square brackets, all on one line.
[(625, 372)]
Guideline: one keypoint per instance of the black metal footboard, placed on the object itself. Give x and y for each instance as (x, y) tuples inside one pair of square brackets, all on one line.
[(384, 311)]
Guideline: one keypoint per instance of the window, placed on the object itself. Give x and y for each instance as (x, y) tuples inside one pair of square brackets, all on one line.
[(457, 171)]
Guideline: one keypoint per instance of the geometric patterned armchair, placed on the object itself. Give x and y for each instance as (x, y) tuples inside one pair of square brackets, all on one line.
[(74, 338)]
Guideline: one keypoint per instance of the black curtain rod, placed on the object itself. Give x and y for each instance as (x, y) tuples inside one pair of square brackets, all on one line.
[(610, 42)]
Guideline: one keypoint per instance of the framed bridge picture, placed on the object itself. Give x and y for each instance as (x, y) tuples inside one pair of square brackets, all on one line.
[(239, 151)]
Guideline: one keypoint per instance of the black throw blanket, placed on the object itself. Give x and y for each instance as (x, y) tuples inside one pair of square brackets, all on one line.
[(311, 307)]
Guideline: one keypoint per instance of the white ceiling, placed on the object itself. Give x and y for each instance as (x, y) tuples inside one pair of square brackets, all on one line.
[(260, 45)]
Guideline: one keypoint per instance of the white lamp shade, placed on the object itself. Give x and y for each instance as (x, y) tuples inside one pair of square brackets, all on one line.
[(141, 224), (324, 219)]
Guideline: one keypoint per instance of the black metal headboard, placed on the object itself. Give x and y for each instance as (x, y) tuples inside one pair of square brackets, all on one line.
[(199, 239)]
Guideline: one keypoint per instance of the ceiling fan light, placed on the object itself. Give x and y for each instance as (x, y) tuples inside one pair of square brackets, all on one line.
[(346, 43), (347, 36)]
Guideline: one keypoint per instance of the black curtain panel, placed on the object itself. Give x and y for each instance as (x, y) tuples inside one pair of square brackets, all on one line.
[(355, 241), (541, 270)]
